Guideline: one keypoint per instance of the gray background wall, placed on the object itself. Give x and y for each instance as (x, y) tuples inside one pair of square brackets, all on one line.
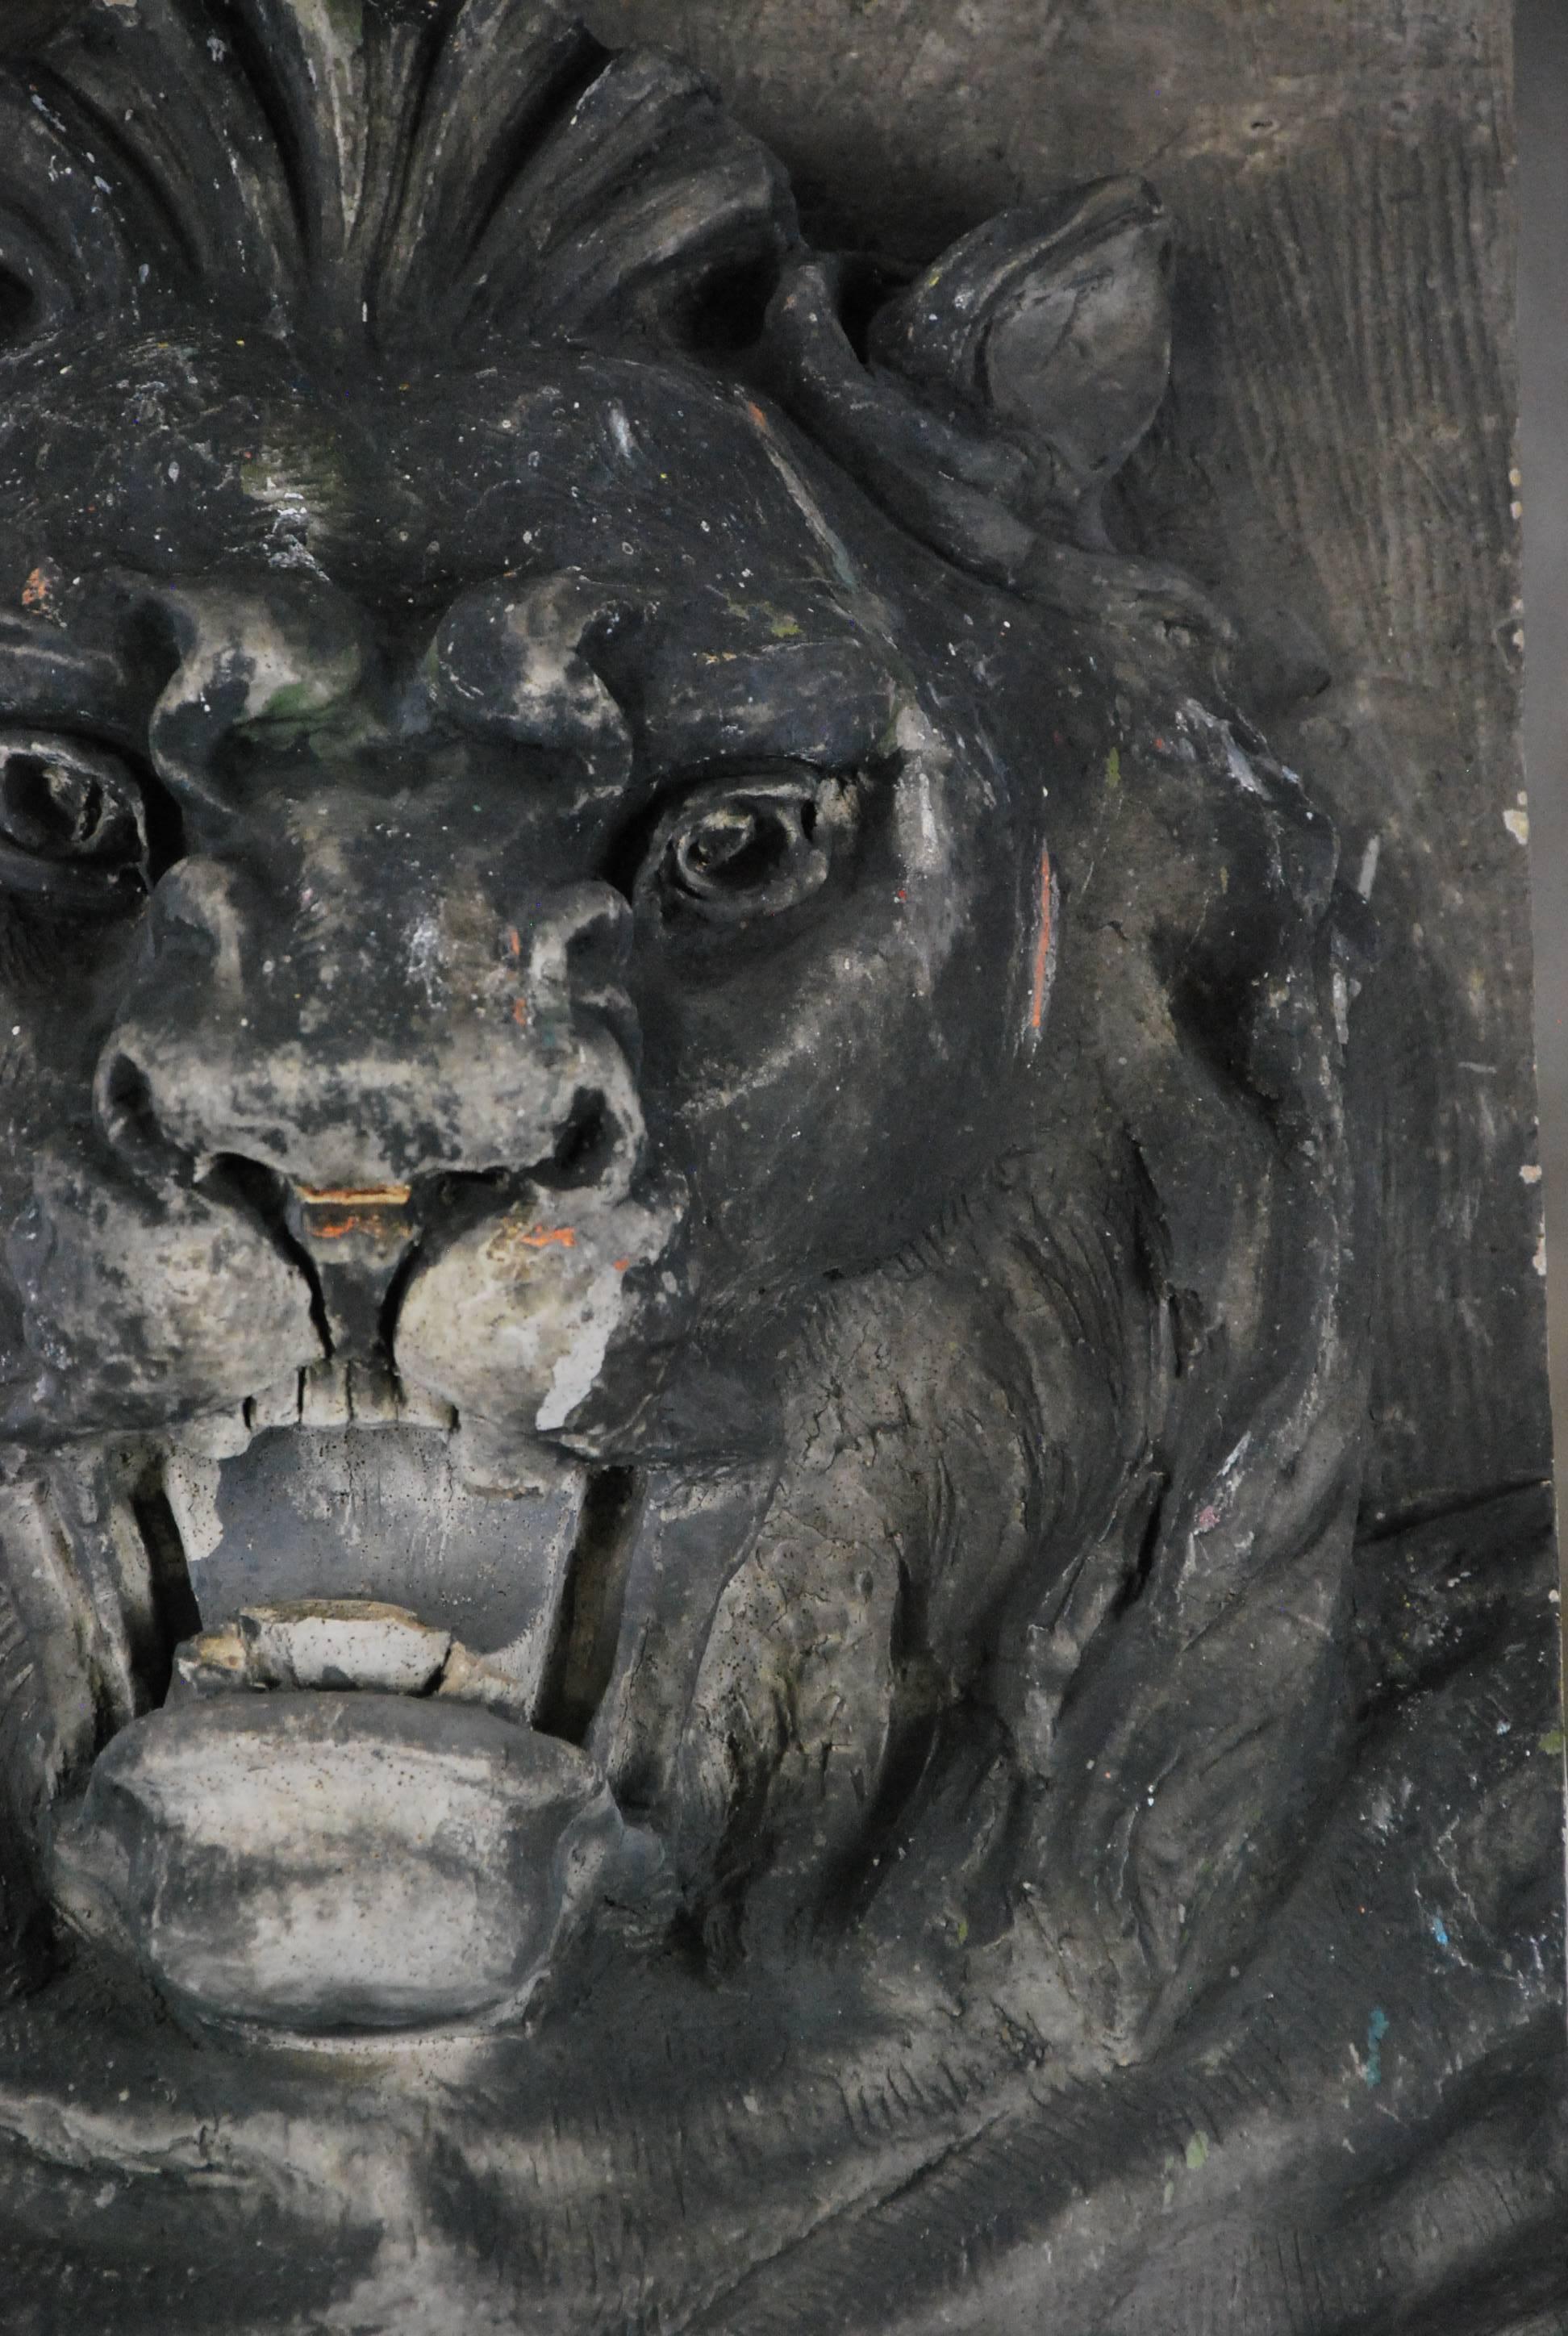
[(1542, 105)]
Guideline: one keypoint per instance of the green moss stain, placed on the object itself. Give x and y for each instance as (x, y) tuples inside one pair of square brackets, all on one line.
[(1114, 767), (780, 624), (296, 701), (1552, 1743), (299, 473), (321, 702), (1192, 2160)]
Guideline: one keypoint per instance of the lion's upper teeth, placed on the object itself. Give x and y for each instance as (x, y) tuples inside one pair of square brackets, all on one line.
[(360, 1395), (328, 1394)]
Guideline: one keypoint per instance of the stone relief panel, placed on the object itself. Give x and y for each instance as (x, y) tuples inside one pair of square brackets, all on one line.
[(691, 1635)]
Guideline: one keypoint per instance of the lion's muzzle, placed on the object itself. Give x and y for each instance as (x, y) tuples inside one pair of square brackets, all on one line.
[(425, 1099)]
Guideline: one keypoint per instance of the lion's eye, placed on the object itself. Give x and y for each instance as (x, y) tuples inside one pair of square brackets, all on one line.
[(734, 849), (740, 851), (72, 824)]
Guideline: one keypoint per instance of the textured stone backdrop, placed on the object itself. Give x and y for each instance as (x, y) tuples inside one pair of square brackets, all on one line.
[(1542, 105), (1338, 462)]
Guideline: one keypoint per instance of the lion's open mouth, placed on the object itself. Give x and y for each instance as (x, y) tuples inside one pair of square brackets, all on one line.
[(365, 1800), (368, 1494)]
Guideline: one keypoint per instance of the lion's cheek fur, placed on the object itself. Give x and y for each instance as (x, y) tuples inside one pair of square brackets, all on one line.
[(927, 1498), (144, 1306)]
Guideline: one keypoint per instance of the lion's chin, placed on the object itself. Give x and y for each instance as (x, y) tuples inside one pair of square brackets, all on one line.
[(311, 1863)]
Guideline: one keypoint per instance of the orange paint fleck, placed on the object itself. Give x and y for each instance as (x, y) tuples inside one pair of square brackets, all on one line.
[(623, 1265), (520, 1011), (757, 415), (549, 1236), (514, 942), (374, 1208), (356, 1196), (36, 591), (1042, 945)]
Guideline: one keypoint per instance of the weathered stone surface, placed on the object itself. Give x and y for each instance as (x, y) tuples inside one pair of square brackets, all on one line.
[(765, 1029)]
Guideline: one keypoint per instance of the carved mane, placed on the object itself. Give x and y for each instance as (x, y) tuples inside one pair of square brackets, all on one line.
[(389, 173), (386, 175), (1071, 1472)]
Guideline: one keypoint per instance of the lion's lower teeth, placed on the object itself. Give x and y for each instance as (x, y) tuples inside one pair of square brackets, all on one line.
[(317, 1642), (325, 1643)]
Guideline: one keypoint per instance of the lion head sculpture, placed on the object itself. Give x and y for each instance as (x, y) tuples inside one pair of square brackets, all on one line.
[(680, 1302)]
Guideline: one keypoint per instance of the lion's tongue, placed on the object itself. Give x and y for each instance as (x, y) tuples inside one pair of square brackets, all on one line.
[(353, 1515)]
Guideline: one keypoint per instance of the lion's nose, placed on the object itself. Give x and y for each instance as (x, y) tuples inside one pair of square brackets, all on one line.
[(343, 1039), (368, 1092)]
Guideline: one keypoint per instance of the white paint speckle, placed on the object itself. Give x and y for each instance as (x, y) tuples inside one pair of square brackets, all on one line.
[(573, 1379), (1240, 769), (425, 955)]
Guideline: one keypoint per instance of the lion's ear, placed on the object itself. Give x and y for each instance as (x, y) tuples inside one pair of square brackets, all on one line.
[(1051, 325)]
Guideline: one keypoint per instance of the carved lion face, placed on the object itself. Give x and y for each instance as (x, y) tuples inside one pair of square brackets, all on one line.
[(577, 1337), (465, 842), (497, 912)]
